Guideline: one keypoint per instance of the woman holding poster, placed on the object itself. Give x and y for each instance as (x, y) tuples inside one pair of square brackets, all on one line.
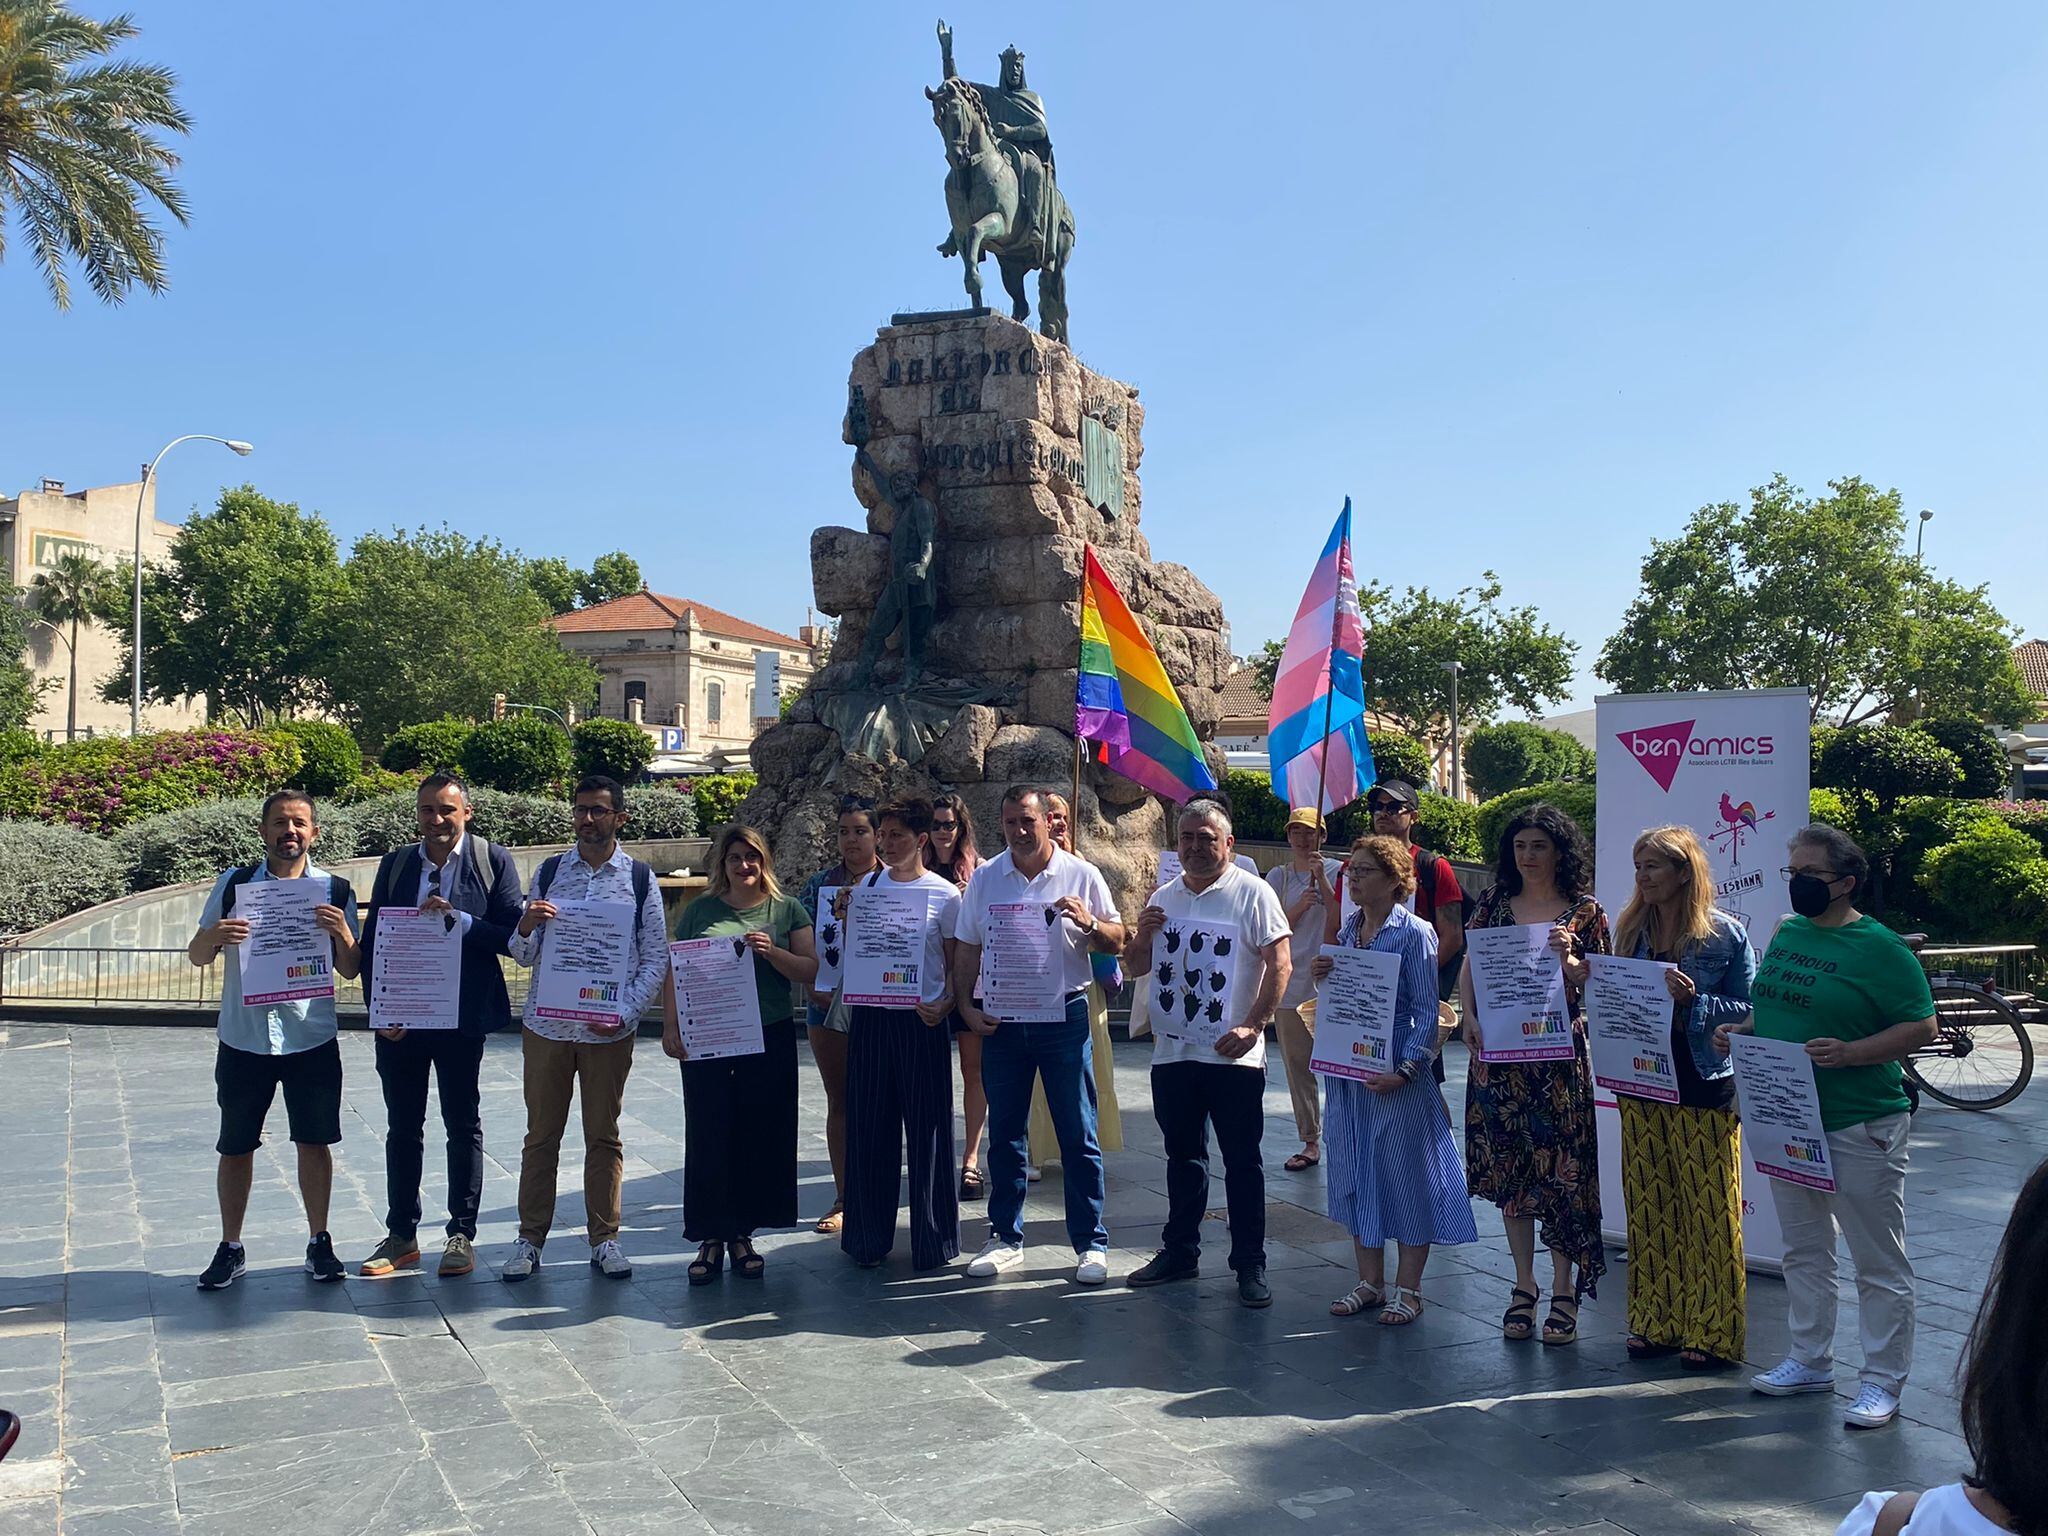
[(1394, 1171), (1681, 1164), (739, 1112), (1530, 1145), (1848, 989), (827, 1017)]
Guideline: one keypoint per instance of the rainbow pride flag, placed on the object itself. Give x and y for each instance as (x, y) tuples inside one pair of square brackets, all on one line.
[(1318, 708), (1124, 701)]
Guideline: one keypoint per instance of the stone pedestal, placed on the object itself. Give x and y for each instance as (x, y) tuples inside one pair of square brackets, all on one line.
[(990, 417)]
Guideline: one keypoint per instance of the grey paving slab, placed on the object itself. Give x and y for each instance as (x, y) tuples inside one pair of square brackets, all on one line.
[(827, 1399)]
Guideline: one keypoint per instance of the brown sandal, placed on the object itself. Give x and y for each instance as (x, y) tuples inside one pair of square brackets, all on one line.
[(1518, 1323), (832, 1220)]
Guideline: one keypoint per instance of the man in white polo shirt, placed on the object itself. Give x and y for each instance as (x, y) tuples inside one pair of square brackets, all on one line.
[(1079, 915), (1215, 915)]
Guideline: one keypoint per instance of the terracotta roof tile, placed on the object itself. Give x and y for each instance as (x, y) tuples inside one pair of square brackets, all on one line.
[(2032, 659), (654, 610), (1241, 700)]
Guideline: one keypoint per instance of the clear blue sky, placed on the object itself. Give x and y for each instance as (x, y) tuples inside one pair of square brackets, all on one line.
[(1529, 283)]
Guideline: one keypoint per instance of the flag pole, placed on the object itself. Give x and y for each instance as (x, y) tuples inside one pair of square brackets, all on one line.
[(1074, 800), (1329, 696)]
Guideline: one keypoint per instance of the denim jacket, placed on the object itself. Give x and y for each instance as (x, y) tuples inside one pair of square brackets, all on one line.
[(1721, 966)]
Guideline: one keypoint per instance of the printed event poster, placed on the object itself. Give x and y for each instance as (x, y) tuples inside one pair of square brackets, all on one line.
[(1518, 982), (1781, 1111), (1628, 1024), (1355, 1014), (1194, 979), (286, 957), (885, 945), (584, 960), (1733, 766), (830, 937), (1169, 868), (1022, 979), (717, 1002), (416, 970)]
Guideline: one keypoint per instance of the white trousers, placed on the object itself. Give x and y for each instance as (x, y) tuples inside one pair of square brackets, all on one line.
[(1869, 1205)]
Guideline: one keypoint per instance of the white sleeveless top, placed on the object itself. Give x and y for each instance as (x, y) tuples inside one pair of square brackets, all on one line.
[(1943, 1511)]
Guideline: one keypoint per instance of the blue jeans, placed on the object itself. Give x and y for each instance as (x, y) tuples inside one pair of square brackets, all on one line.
[(1060, 1056)]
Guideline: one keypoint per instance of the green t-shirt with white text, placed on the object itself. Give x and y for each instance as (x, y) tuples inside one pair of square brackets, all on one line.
[(1843, 983)]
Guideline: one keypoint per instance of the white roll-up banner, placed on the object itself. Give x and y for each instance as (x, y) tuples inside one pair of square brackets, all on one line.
[(1734, 767)]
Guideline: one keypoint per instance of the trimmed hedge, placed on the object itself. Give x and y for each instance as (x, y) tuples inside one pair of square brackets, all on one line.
[(618, 749), (1451, 828), (660, 810), (1575, 800), (18, 746), (718, 797), (377, 782), (111, 781), (200, 841), (1990, 884), (424, 747), (524, 754), (1518, 753), (1987, 771), (50, 872), (332, 760)]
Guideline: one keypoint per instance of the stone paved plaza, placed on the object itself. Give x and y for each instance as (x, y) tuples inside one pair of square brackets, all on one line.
[(829, 1399)]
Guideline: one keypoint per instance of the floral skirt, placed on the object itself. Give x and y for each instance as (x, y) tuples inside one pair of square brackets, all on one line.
[(1531, 1148)]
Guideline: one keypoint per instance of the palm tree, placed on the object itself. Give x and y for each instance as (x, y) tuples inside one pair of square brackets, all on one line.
[(74, 589), (76, 153)]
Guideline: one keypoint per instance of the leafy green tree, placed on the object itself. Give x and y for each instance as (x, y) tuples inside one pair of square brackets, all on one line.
[(555, 579), (1515, 753), (618, 749), (72, 592), (242, 614), (1888, 763), (78, 155), (432, 625), (20, 689), (523, 753), (1578, 801), (1265, 667), (1987, 771), (609, 576), (1814, 592)]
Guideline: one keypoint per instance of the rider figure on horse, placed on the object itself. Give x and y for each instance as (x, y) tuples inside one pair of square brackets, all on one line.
[(1018, 117)]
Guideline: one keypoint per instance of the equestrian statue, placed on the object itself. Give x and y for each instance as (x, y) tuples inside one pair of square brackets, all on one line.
[(1002, 191)]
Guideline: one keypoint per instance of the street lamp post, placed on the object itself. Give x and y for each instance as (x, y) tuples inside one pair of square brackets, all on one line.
[(71, 706), (1457, 759), (1914, 648), (141, 497)]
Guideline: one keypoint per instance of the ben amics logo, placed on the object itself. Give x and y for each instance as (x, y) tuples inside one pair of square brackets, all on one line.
[(1662, 749)]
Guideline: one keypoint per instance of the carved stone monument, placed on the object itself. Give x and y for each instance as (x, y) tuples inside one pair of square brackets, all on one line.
[(986, 458), (990, 419)]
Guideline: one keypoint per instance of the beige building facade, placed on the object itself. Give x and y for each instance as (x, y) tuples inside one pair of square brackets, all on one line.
[(686, 670), (39, 526)]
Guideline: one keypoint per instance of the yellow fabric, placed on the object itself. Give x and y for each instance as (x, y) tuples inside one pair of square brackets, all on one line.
[(1682, 1182), (1109, 1125)]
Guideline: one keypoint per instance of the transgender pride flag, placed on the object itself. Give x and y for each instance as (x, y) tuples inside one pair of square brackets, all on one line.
[(1315, 729)]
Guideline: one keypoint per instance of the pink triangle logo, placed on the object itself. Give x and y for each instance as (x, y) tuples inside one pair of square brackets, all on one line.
[(1660, 749)]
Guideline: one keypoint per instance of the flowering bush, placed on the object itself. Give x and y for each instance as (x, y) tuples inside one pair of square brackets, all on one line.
[(50, 872), (110, 781), (2029, 816)]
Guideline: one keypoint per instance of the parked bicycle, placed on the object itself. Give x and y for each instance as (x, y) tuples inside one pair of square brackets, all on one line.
[(1983, 1056)]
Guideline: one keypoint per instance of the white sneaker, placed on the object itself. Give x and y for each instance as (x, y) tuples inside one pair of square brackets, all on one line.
[(1032, 1173), (1093, 1268), (1873, 1409), (1789, 1377), (994, 1258), (524, 1261), (611, 1258)]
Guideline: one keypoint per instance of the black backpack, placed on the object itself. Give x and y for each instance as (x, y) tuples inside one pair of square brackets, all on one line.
[(387, 869), (338, 892)]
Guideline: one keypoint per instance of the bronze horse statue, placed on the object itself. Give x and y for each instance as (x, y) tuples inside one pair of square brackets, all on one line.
[(992, 216)]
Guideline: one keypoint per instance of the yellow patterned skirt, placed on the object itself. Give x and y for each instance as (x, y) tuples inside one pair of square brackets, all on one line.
[(1681, 1177)]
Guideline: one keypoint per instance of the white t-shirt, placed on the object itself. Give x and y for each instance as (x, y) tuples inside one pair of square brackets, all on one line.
[(1249, 903), (1943, 1511), (999, 882), (1290, 885), (939, 927)]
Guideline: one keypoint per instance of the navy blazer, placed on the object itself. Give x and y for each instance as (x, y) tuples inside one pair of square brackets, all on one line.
[(494, 913)]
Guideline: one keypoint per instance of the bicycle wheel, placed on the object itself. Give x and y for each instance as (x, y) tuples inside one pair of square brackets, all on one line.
[(1983, 1056)]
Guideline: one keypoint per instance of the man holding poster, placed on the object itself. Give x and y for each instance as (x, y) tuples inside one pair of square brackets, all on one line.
[(900, 923), (450, 876), (288, 1043), (1216, 944), (586, 1041), (1848, 989)]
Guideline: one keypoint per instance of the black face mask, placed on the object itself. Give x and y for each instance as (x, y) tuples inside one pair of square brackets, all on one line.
[(1810, 895)]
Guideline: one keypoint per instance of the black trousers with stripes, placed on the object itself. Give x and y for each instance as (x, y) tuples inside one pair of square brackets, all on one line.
[(899, 1086)]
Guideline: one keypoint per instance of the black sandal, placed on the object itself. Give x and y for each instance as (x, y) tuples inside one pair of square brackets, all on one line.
[(1519, 1321), (746, 1263), (1701, 1360), (710, 1261), (972, 1185), (1640, 1348), (1560, 1327)]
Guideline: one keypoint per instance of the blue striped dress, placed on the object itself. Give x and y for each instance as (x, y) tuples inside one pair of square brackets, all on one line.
[(1392, 1162)]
